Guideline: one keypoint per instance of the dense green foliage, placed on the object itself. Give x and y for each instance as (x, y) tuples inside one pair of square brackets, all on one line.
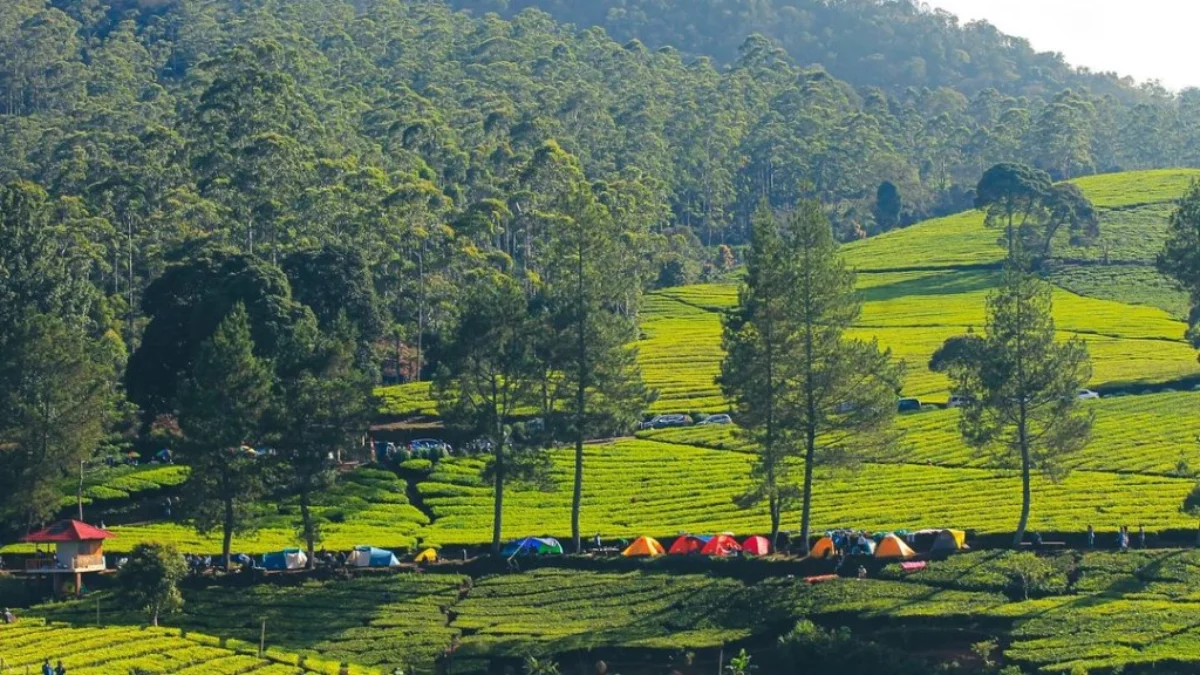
[(97, 651), (893, 44)]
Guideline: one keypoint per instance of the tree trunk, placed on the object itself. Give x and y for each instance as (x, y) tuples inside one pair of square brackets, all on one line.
[(580, 401), (309, 533), (154, 618), (227, 533), (806, 511), (498, 506), (577, 497), (1026, 494), (775, 518)]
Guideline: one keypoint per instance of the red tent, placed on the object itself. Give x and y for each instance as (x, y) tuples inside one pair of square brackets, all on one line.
[(721, 545), (757, 546), (686, 545)]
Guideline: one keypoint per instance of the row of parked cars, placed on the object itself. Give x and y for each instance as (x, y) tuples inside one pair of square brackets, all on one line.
[(908, 405), (677, 420), (433, 446)]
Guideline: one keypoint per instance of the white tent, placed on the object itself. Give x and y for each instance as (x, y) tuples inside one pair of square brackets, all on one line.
[(287, 559), (369, 556)]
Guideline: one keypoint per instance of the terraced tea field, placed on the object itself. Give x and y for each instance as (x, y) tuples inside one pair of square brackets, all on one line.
[(366, 507), (1096, 611), (663, 489), (1149, 434), (152, 651), (390, 622)]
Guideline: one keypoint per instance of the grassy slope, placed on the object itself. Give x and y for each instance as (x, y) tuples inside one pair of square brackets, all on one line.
[(104, 651), (1099, 610), (928, 282), (366, 507)]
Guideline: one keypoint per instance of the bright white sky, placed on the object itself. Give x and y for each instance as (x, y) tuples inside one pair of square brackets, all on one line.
[(1148, 39)]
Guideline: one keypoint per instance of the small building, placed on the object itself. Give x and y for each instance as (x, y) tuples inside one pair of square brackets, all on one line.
[(78, 550)]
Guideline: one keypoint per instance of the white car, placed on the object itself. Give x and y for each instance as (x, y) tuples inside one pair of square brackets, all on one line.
[(717, 419), (1088, 395), (957, 401)]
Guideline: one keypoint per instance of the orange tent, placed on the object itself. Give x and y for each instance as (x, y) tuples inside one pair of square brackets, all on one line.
[(644, 547), (721, 545), (894, 547), (687, 545), (823, 548), (757, 546)]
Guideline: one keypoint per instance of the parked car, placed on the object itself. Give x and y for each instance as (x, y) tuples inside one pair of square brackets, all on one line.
[(666, 421), (428, 444), (957, 401), (907, 405), (1088, 395), (717, 419)]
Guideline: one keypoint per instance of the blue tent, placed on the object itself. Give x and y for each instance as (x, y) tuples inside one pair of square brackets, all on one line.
[(287, 559), (369, 556), (530, 546)]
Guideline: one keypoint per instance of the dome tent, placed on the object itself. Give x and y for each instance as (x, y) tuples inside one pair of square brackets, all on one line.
[(721, 545), (757, 546), (823, 548), (369, 556), (429, 555), (688, 545), (287, 559), (531, 546), (644, 547), (893, 547), (948, 541)]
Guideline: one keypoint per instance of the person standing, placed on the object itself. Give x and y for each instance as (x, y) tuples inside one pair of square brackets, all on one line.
[(1123, 539), (1142, 536), (46, 668), (1091, 538), (59, 669)]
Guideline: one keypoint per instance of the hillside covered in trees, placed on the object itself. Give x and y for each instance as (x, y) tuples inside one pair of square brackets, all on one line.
[(892, 44)]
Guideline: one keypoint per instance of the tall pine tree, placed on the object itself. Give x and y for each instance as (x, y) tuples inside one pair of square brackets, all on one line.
[(759, 342), (841, 396), (489, 372), (221, 411), (1020, 386), (600, 385)]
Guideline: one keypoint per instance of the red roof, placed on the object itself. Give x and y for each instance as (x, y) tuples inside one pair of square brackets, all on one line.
[(67, 530)]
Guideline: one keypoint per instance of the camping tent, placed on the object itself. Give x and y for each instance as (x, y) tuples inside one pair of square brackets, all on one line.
[(688, 545), (287, 559), (530, 546), (823, 548), (644, 547), (948, 541), (369, 556), (893, 547), (429, 555), (721, 545), (757, 546)]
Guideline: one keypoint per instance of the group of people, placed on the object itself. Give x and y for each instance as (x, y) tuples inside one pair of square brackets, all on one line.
[(47, 669), (850, 543), (1123, 538)]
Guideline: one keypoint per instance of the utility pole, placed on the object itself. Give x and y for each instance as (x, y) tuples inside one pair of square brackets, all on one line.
[(262, 639), (79, 493)]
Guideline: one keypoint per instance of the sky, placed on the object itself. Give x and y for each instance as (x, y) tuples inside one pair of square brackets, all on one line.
[(1147, 39)]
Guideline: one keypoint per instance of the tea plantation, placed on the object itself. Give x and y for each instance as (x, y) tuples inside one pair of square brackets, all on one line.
[(152, 651), (1099, 611)]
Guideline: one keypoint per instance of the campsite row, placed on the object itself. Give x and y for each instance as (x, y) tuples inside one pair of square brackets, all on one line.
[(889, 546)]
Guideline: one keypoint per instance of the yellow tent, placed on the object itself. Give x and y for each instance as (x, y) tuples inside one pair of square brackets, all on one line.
[(949, 540), (823, 548), (894, 547), (429, 555), (644, 547)]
